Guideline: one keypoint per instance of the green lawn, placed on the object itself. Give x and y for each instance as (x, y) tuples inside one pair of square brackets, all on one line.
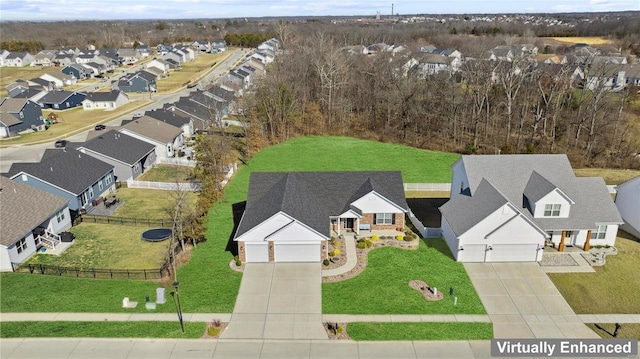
[(420, 331), (147, 203), (612, 289), (383, 287), (167, 173), (108, 246), (101, 329), (610, 175), (206, 283)]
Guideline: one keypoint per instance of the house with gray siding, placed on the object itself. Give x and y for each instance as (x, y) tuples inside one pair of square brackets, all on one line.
[(129, 156), (138, 82), (19, 114), (75, 176), (62, 100)]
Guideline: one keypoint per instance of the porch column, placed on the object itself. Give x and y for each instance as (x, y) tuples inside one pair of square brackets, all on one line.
[(561, 245), (357, 228), (587, 244)]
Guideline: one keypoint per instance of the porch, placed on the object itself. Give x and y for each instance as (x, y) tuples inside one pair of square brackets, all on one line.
[(569, 241), (104, 206)]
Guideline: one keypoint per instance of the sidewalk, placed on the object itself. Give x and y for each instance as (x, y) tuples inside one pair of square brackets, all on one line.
[(352, 259)]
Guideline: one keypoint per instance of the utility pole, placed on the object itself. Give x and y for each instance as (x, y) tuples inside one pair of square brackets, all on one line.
[(391, 11)]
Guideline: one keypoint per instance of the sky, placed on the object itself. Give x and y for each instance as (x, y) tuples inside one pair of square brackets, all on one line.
[(43, 10)]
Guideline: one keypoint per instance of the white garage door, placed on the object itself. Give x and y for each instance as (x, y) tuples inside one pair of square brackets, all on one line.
[(513, 253), (472, 253), (256, 252), (288, 252)]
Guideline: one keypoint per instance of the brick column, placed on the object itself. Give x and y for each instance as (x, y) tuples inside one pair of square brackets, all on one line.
[(271, 252), (241, 251)]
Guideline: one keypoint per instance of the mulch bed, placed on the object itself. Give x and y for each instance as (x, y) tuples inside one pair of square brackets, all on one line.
[(335, 335), (426, 290), (221, 326), (340, 259)]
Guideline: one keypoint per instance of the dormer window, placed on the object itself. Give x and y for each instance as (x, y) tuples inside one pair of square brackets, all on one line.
[(552, 210)]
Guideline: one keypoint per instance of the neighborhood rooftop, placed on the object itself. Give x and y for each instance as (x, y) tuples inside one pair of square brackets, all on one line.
[(118, 146)]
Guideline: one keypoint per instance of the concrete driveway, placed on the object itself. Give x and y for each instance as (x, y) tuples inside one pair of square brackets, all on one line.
[(278, 301), (522, 302)]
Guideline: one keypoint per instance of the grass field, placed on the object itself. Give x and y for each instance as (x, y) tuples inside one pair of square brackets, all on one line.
[(385, 284), (207, 285), (610, 176), (591, 40), (108, 246), (102, 329), (73, 121), (147, 203), (167, 173), (10, 74), (420, 331), (612, 289), (189, 71), (627, 331)]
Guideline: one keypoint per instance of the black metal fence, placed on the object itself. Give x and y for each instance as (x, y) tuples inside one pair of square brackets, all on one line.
[(126, 221), (134, 274)]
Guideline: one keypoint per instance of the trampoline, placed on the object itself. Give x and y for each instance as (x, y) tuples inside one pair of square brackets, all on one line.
[(156, 234)]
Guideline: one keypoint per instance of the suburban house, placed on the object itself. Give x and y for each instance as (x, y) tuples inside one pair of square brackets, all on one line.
[(628, 203), (159, 64), (218, 46), (177, 119), (137, 82), (18, 59), (76, 70), (19, 114), (507, 208), (44, 59), (105, 100), (62, 100), (63, 59), (30, 218), (129, 156), (163, 49), (202, 45), (144, 50), (95, 68), (202, 116), (128, 56), (289, 216), (77, 177), (3, 55), (59, 79), (17, 87), (165, 137)]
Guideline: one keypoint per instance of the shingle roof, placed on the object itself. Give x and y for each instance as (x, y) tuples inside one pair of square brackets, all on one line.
[(12, 105), (23, 208), (67, 169), (103, 96), (171, 117), (9, 119), (312, 197), (153, 129), (56, 97), (537, 187), (119, 146)]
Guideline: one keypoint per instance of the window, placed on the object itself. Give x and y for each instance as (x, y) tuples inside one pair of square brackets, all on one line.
[(384, 218), (100, 186), (90, 192), (551, 210), (108, 179), (60, 216), (136, 167), (21, 245), (599, 233)]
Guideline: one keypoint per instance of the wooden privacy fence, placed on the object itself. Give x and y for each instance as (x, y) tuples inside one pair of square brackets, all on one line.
[(127, 221), (134, 274)]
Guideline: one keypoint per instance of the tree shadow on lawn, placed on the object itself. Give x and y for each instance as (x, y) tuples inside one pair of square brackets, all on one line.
[(238, 210), (439, 245), (426, 210)]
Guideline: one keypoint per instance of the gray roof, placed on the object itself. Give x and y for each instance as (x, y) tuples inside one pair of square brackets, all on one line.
[(171, 117), (514, 176), (119, 146), (24, 208), (312, 197), (153, 129), (67, 169), (56, 97), (12, 105), (104, 96)]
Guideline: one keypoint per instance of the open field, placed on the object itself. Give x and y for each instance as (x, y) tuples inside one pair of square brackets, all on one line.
[(189, 71), (610, 176), (420, 331), (591, 40), (193, 330), (147, 203), (10, 74), (108, 246), (73, 121), (612, 289)]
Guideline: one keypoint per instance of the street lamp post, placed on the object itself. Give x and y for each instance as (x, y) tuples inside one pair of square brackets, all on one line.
[(176, 300)]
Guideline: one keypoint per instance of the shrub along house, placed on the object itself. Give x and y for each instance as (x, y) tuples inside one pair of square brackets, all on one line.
[(507, 208), (30, 218), (289, 216)]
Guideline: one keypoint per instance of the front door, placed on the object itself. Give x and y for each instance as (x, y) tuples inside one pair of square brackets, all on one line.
[(568, 238), (348, 224)]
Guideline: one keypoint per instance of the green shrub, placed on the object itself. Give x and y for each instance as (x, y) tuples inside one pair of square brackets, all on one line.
[(339, 330), (374, 238), (399, 237), (361, 245), (409, 237), (364, 243), (326, 262), (331, 254), (213, 331)]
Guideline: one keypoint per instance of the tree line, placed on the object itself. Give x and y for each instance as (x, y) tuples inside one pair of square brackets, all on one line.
[(32, 47), (488, 107)]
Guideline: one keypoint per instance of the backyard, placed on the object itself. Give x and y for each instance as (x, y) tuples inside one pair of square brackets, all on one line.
[(168, 173), (147, 203), (189, 72)]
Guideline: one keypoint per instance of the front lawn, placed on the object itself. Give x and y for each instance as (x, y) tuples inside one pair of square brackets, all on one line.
[(420, 331), (383, 287), (108, 246), (612, 289), (101, 329), (627, 331)]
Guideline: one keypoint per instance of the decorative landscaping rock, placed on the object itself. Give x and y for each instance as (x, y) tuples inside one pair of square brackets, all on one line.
[(596, 256), (426, 290)]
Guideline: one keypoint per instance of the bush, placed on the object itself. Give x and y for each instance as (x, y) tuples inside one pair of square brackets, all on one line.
[(238, 261), (409, 237), (212, 332), (331, 254), (326, 262), (364, 243), (336, 252), (374, 238), (399, 237)]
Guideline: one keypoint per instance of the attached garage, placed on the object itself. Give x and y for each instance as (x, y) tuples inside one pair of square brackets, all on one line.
[(513, 253), (297, 252), (256, 252), (472, 253)]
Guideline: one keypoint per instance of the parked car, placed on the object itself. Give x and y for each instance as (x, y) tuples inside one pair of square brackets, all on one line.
[(61, 143), (100, 127)]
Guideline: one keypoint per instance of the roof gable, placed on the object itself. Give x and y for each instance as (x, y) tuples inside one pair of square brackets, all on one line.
[(118, 146)]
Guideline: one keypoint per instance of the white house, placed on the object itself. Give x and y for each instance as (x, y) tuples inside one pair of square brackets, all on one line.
[(105, 100), (31, 218), (59, 79), (159, 64), (628, 203), (509, 207), (289, 216), (18, 59), (167, 138)]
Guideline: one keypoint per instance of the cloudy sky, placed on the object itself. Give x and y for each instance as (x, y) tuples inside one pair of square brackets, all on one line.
[(189, 9)]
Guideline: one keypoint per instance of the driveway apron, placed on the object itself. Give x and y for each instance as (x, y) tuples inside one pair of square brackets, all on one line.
[(278, 301), (523, 302)]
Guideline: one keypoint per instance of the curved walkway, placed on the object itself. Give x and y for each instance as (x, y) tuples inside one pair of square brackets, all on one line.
[(352, 259)]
